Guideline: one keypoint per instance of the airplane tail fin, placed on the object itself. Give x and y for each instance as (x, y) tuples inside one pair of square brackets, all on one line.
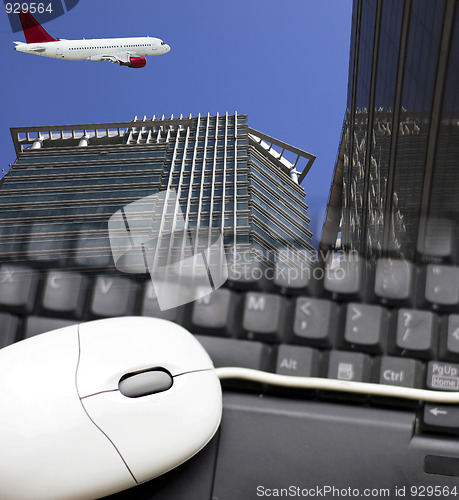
[(33, 30)]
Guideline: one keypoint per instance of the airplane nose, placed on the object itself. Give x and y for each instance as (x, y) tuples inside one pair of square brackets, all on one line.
[(167, 48)]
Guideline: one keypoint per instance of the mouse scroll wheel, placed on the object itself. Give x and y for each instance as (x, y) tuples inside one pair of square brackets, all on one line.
[(135, 385)]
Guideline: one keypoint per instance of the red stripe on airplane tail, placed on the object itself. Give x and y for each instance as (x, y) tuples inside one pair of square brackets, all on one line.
[(33, 30)]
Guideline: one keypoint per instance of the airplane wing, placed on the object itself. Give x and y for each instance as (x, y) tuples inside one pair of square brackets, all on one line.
[(123, 57)]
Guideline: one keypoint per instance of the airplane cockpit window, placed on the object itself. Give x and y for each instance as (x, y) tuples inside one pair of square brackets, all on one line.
[(163, 43)]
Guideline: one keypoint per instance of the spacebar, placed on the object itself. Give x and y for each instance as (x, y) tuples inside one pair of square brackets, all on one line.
[(240, 353), (232, 352)]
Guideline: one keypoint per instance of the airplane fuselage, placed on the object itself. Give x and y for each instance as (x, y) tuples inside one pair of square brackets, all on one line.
[(98, 49)]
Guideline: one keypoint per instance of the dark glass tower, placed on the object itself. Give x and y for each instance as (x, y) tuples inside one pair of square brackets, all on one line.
[(68, 181), (396, 182)]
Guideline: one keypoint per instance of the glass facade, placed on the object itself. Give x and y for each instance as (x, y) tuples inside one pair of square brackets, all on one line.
[(382, 126), (423, 44), (399, 167), (443, 214), (59, 200), (64, 187)]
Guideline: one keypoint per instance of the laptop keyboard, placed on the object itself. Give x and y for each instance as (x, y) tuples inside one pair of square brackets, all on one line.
[(388, 322)]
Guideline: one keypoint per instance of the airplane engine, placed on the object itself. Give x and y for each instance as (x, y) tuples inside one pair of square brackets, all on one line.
[(135, 62)]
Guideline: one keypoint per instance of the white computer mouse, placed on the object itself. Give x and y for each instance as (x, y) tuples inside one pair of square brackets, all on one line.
[(96, 408)]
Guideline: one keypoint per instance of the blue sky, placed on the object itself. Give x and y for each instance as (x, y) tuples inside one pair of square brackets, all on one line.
[(284, 63)]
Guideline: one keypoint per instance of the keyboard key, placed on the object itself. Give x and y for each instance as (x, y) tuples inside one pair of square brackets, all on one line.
[(12, 246), (213, 314), (241, 353), (315, 321), (245, 271), (297, 361), (93, 248), (263, 316), (399, 371), (442, 376), (35, 325), (235, 352), (394, 280), (150, 306), (441, 418), (113, 296), (442, 285), (64, 293), (452, 343), (440, 239), (343, 274), (366, 327), (8, 329), (46, 243), (415, 333), (355, 366), (18, 286), (292, 270)]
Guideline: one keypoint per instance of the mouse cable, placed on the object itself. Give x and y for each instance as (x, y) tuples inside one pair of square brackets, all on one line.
[(391, 391)]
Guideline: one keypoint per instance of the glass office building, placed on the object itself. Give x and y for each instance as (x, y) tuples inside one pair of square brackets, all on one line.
[(396, 182), (67, 182)]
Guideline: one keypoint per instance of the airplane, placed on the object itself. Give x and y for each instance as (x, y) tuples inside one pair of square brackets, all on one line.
[(129, 52)]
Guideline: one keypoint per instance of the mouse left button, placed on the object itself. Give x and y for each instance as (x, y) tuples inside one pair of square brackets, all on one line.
[(145, 383), (50, 449)]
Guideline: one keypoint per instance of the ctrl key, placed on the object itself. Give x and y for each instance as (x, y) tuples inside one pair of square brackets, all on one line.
[(402, 372)]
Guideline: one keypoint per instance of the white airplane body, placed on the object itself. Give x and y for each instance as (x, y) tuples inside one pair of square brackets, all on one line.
[(126, 51)]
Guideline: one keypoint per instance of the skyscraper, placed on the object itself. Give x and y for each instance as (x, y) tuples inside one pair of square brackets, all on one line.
[(68, 181), (396, 179)]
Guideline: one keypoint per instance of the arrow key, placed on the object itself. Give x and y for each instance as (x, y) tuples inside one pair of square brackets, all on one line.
[(441, 418)]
